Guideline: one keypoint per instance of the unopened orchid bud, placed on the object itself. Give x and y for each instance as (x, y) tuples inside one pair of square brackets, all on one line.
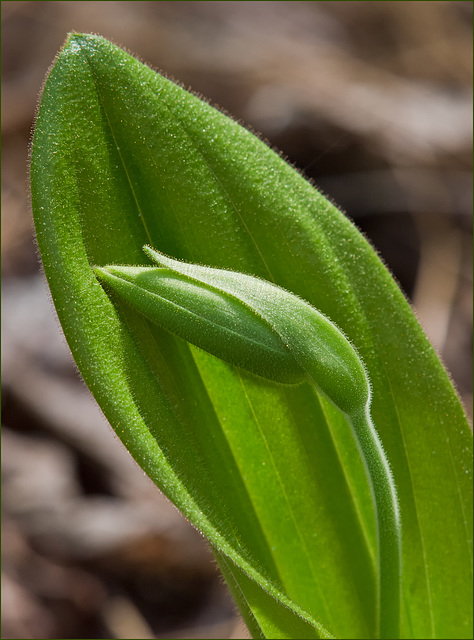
[(247, 322)]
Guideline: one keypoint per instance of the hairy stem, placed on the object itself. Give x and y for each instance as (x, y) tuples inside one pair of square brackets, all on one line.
[(387, 516)]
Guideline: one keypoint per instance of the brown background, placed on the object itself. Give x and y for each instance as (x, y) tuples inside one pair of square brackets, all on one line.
[(373, 101)]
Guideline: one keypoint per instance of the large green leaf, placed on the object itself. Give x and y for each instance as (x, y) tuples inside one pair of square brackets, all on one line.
[(122, 157)]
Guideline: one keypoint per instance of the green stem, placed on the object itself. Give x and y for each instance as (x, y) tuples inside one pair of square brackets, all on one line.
[(387, 516)]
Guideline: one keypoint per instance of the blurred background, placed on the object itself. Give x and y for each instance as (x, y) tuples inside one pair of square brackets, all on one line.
[(373, 102)]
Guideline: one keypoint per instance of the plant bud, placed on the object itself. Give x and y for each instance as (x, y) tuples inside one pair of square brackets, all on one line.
[(207, 317), (247, 322)]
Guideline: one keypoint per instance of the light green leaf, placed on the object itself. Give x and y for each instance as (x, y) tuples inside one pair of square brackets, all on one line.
[(271, 475)]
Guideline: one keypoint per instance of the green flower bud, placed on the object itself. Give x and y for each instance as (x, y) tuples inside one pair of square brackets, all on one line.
[(247, 322), (207, 317)]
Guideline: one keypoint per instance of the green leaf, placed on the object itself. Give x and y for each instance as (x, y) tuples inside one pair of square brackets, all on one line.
[(122, 157)]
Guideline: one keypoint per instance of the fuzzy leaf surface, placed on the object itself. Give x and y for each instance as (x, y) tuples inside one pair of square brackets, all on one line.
[(122, 157)]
